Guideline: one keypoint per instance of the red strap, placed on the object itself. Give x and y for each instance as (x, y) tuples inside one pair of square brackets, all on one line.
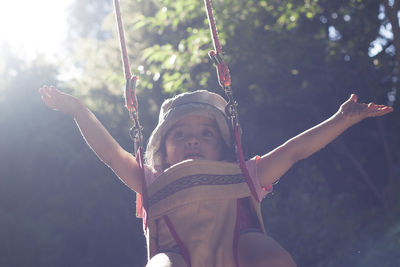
[(130, 96), (182, 247), (141, 199), (214, 33), (242, 163), (224, 78), (125, 59), (131, 104)]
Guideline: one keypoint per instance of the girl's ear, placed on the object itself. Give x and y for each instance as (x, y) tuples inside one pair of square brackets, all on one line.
[(227, 153)]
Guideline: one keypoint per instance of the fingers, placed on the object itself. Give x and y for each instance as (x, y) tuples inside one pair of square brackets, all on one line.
[(48, 90), (43, 90), (378, 110), (369, 110), (47, 94)]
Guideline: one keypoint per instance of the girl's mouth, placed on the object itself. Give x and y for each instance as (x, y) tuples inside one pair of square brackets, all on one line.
[(194, 156)]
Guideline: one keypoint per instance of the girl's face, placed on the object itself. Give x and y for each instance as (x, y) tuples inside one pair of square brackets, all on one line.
[(193, 137)]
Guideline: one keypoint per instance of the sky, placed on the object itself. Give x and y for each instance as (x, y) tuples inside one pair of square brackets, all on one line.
[(33, 27)]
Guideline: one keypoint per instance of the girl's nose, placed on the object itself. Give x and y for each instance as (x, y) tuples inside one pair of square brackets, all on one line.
[(192, 141)]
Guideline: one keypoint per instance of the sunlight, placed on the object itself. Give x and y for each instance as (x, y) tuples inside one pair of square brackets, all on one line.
[(34, 27)]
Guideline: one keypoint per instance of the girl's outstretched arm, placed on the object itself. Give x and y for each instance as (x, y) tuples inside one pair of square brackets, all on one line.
[(97, 137), (274, 164)]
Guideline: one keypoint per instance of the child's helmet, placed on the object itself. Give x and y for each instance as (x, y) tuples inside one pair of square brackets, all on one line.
[(199, 102)]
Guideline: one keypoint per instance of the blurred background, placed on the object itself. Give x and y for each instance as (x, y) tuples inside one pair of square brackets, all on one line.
[(292, 63)]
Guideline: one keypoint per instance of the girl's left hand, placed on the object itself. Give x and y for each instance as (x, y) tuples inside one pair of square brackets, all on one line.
[(354, 112)]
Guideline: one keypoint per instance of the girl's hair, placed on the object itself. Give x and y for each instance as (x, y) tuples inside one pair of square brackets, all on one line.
[(199, 102)]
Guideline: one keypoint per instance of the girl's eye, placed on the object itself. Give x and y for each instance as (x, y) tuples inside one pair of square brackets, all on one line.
[(178, 134), (208, 133)]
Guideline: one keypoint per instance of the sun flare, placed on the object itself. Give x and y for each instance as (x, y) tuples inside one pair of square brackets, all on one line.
[(31, 27)]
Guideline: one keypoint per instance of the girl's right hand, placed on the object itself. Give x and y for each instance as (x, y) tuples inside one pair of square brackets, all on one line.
[(57, 100)]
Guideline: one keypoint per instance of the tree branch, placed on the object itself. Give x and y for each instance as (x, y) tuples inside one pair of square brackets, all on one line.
[(391, 14), (341, 148)]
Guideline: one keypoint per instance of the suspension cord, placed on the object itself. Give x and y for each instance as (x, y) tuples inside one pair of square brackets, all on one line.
[(213, 27), (131, 105), (131, 102), (224, 80), (125, 59)]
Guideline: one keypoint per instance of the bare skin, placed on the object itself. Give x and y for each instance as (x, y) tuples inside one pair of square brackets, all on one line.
[(100, 141), (167, 260), (281, 158), (254, 250), (193, 137), (260, 250), (315, 138), (197, 137)]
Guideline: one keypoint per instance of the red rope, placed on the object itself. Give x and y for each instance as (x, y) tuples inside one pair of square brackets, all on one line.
[(125, 59), (130, 96), (213, 27), (178, 240), (224, 80), (242, 163), (141, 199), (132, 105)]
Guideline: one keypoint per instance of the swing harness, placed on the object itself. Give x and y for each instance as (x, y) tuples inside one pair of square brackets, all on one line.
[(224, 80), (131, 104)]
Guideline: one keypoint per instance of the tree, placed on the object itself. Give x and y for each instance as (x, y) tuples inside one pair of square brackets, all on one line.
[(292, 63)]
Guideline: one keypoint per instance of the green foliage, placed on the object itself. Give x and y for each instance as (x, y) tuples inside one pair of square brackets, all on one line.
[(292, 63)]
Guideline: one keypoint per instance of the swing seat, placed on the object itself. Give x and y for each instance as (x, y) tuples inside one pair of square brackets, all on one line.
[(200, 199)]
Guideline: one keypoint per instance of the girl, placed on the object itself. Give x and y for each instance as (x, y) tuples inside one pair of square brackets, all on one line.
[(201, 212)]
